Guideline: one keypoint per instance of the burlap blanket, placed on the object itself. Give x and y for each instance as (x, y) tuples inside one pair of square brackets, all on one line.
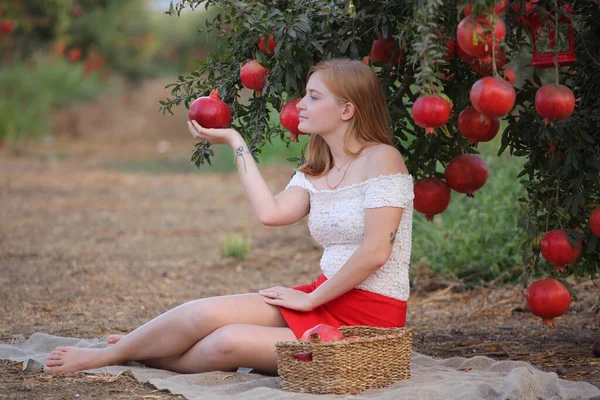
[(453, 378)]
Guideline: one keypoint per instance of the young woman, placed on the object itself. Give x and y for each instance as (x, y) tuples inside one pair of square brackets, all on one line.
[(359, 197)]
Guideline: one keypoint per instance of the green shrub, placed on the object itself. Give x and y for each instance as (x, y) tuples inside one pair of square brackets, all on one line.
[(237, 246), (476, 239), (30, 92)]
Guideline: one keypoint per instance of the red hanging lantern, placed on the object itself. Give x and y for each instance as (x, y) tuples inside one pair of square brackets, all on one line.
[(543, 40)]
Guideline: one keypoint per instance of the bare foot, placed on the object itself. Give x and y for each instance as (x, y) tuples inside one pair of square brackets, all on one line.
[(73, 359), (112, 339)]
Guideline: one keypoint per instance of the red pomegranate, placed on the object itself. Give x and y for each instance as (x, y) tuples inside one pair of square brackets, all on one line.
[(317, 334), (451, 49), (6, 27), (464, 56), (483, 65), (554, 102), (210, 111), (547, 299), (382, 50), (290, 118), (474, 33), (595, 222), (253, 75), (77, 10), (74, 55), (510, 75), (322, 333), (498, 8), (431, 112), (554, 150), (476, 126), (529, 7), (557, 249), (493, 96), (271, 44), (466, 174), (432, 197)]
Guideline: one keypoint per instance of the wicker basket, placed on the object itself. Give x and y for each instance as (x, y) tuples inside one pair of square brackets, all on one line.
[(376, 359)]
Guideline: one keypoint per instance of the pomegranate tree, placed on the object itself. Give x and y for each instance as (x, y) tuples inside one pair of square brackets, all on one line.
[(557, 249), (210, 111), (554, 102), (476, 126), (253, 76), (290, 118), (431, 112), (561, 186), (432, 197), (547, 299), (466, 173), (493, 96)]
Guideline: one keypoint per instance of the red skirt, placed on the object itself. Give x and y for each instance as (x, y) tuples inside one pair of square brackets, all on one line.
[(355, 307)]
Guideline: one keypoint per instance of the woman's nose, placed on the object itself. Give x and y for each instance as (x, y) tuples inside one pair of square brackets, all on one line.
[(300, 104)]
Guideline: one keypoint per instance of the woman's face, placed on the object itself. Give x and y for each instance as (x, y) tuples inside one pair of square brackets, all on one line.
[(320, 111)]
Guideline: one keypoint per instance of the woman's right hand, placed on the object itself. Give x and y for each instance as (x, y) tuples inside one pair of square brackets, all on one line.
[(214, 136)]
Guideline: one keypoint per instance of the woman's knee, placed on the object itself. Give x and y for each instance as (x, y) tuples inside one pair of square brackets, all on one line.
[(222, 343)]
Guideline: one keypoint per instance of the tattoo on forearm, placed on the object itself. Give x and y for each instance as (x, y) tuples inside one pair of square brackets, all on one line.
[(393, 236), (240, 152)]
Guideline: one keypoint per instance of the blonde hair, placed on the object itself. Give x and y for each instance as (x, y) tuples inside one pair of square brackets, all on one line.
[(354, 82)]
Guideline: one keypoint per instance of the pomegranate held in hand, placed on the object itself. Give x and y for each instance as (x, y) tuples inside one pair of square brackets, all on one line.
[(475, 36), (547, 299), (432, 197), (431, 112), (557, 249), (493, 96), (210, 111), (595, 223), (253, 75), (476, 126), (554, 102), (466, 174), (268, 50), (290, 118)]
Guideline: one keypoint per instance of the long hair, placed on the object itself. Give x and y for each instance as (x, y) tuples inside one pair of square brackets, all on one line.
[(354, 82)]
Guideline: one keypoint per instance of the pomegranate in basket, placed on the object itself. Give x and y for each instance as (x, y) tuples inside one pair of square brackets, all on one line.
[(318, 334)]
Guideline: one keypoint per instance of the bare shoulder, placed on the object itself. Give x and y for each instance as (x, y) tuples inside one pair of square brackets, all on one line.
[(384, 160)]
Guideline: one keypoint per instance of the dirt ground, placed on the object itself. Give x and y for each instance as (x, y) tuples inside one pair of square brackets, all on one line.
[(87, 249)]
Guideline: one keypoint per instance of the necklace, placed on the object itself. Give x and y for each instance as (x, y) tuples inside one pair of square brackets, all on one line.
[(340, 168), (343, 176)]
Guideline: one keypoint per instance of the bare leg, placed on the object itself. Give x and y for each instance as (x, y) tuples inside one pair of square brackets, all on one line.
[(229, 348), (172, 333)]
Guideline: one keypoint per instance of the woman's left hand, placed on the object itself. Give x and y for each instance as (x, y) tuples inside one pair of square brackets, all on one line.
[(288, 298)]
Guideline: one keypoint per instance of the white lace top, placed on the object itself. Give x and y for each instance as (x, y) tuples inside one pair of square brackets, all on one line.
[(336, 222)]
